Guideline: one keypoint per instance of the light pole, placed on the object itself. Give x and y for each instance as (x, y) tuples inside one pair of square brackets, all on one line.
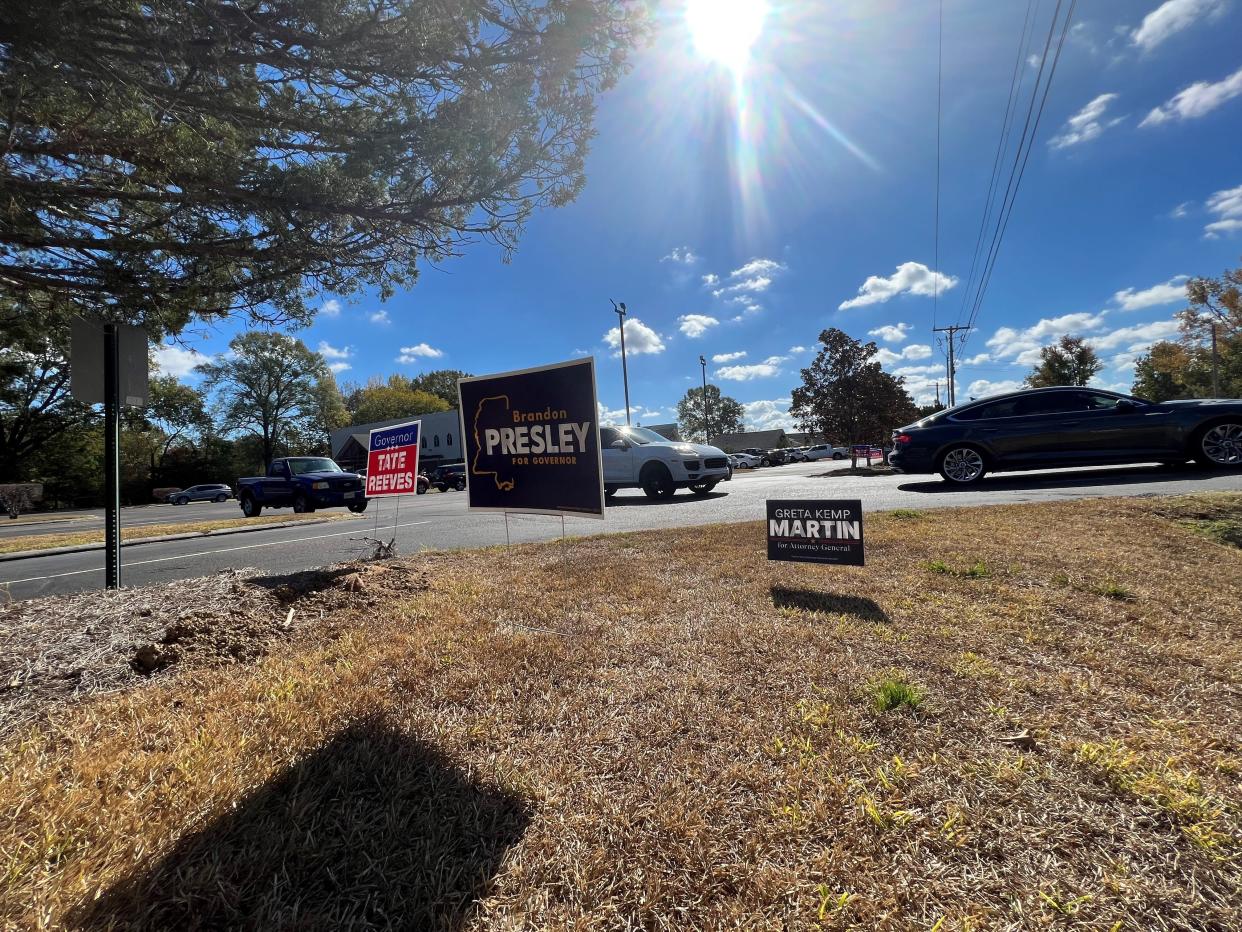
[(625, 376), (707, 417)]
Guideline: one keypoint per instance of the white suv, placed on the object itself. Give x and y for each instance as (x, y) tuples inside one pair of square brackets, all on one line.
[(825, 451), (635, 457)]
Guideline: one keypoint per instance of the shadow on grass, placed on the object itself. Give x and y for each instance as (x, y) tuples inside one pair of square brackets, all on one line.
[(372, 830), (289, 587), (811, 600)]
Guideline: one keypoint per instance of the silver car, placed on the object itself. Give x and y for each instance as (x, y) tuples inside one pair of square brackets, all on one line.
[(212, 492)]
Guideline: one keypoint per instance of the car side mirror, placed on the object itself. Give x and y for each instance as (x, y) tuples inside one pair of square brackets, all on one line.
[(619, 445), (1125, 404)]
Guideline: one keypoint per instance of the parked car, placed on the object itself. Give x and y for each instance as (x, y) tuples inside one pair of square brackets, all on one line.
[(778, 457), (635, 457), (744, 460), (303, 483), (1050, 427), (798, 454), (826, 451), (211, 492), (448, 477)]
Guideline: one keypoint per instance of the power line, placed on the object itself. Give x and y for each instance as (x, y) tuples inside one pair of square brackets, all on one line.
[(1015, 182), (936, 248)]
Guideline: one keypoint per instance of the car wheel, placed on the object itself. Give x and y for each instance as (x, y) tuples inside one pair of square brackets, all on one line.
[(183, 501), (658, 482), (609, 491), (702, 488), (461, 485), (359, 508), (1220, 445), (222, 498), (962, 465), (838, 456), (302, 505), (250, 508), (765, 462), (421, 488)]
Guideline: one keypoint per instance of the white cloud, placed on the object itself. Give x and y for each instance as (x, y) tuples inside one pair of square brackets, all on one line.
[(682, 255), (331, 308), (710, 279), (910, 278), (1024, 345), (1227, 205), (935, 369), (610, 417), (380, 317), (886, 357), (775, 360), (1180, 211), (978, 359), (178, 361), (1171, 292), (982, 388), (757, 267), (768, 415), (328, 351), (639, 338), (695, 325), (891, 333), (1034, 60), (1086, 124), (729, 357), (339, 366), (1172, 17), (760, 370), (1137, 338), (412, 354), (798, 350), (1200, 99)]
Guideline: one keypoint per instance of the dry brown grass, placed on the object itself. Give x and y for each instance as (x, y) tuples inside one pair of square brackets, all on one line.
[(664, 731), (96, 536)]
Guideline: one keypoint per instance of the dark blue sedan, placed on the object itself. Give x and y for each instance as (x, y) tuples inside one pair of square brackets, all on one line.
[(1046, 428)]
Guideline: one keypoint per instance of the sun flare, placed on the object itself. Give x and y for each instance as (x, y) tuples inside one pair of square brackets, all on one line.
[(724, 31)]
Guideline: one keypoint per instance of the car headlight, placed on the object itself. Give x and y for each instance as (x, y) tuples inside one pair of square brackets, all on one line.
[(319, 485)]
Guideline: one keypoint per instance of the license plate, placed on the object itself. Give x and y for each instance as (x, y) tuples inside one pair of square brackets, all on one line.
[(351, 494)]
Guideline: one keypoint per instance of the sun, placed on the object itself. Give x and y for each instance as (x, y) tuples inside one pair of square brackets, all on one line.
[(725, 30)]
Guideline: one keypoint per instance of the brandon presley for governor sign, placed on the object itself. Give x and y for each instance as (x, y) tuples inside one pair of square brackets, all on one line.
[(392, 460), (531, 440), (816, 531)]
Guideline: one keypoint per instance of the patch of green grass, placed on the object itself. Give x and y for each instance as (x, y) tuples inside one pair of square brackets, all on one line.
[(977, 570), (1113, 590), (893, 692), (906, 513)]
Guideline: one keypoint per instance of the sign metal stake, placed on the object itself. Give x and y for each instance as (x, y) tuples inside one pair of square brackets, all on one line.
[(112, 458)]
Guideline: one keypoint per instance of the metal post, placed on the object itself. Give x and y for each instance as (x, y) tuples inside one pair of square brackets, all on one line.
[(625, 376), (952, 368), (707, 416), (112, 458), (1215, 365)]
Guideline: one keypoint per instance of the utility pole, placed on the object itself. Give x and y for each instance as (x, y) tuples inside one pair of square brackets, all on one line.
[(952, 331), (707, 417), (625, 376), (1215, 365), (937, 394), (112, 456)]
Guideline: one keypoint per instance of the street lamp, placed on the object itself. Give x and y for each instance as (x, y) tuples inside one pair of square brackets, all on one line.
[(625, 376), (707, 430)]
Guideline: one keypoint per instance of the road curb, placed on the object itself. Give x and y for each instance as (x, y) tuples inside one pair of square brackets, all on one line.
[(191, 535)]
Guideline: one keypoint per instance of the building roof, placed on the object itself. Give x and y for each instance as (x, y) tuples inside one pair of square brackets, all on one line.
[(763, 439), (362, 432)]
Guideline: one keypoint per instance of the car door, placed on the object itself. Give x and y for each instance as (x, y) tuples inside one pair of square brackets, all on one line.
[(1117, 429), (618, 460), (278, 485)]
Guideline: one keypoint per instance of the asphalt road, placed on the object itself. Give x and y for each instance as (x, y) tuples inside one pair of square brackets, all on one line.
[(440, 521)]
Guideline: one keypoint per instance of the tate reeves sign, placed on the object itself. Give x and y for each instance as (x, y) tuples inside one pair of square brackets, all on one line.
[(531, 440), (816, 531), (392, 460)]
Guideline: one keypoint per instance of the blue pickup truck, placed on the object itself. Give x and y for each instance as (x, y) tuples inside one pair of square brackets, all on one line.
[(303, 483)]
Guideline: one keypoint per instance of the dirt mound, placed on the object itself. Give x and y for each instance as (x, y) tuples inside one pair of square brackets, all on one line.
[(61, 649)]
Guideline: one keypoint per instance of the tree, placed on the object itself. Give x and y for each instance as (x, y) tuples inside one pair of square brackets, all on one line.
[(388, 401), (724, 415), (846, 397), (440, 382), (1213, 302), (1070, 362), (173, 159), (1184, 370), (178, 412), (269, 386)]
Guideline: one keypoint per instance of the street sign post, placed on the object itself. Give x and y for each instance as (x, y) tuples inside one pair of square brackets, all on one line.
[(816, 531), (108, 364)]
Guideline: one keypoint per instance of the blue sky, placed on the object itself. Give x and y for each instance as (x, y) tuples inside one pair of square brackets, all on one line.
[(738, 211)]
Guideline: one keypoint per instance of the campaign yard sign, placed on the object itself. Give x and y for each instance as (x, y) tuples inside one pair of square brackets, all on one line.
[(816, 531), (392, 460), (531, 441)]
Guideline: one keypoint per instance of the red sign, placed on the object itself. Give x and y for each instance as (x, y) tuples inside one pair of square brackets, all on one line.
[(392, 460)]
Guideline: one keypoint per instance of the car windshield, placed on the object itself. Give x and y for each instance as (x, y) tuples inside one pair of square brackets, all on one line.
[(313, 464), (641, 435)]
